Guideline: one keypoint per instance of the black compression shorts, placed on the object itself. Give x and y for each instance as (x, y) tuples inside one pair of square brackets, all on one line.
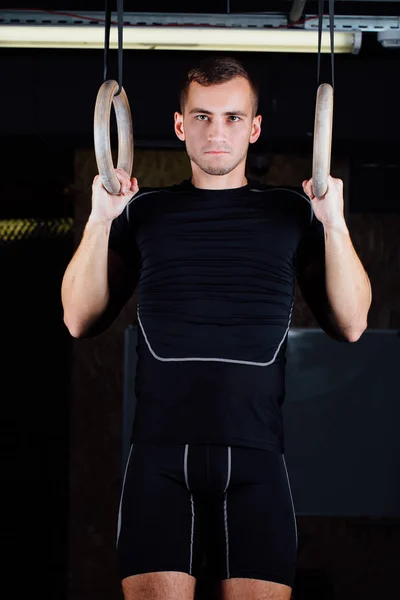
[(229, 506)]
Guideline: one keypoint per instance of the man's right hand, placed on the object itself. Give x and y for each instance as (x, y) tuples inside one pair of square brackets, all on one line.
[(106, 206)]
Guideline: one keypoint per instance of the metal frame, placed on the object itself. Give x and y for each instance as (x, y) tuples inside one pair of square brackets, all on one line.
[(368, 24)]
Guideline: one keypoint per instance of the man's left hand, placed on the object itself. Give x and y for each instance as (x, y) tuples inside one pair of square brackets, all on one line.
[(329, 209)]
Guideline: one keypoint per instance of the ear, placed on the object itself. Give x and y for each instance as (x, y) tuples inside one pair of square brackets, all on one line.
[(179, 130), (255, 129)]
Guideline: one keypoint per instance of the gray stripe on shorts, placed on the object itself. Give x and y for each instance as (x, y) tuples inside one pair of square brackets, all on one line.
[(291, 497), (185, 469), (122, 493), (226, 510)]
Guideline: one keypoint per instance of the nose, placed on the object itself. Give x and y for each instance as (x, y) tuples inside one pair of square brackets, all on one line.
[(217, 131)]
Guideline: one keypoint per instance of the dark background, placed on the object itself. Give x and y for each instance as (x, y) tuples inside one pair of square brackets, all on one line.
[(46, 106)]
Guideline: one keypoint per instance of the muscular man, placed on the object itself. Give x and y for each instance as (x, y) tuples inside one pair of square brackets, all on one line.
[(215, 261)]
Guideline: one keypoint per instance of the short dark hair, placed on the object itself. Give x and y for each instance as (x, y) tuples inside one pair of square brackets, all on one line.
[(215, 70)]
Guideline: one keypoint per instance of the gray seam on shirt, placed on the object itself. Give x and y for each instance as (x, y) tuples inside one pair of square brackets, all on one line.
[(295, 192), (139, 196), (203, 359)]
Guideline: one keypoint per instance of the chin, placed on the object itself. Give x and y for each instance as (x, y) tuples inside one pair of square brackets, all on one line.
[(215, 170)]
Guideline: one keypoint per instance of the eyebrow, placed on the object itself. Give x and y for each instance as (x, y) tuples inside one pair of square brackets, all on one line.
[(239, 113)]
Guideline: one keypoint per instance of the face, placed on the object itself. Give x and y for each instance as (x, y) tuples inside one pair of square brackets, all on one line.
[(217, 125)]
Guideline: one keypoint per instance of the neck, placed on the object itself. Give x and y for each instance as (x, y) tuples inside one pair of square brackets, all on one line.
[(232, 180)]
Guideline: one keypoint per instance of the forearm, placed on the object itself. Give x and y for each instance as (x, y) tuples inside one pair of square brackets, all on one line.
[(347, 284), (85, 290)]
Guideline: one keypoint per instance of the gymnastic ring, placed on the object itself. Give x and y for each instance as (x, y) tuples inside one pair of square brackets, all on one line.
[(322, 139), (102, 147), (296, 10)]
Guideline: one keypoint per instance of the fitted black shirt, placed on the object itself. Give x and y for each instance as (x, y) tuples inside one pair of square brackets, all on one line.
[(216, 272)]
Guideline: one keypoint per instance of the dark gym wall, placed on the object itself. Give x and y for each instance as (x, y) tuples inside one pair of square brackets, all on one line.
[(53, 91)]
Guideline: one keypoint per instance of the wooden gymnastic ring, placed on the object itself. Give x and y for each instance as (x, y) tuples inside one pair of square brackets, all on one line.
[(296, 10), (102, 147), (322, 139)]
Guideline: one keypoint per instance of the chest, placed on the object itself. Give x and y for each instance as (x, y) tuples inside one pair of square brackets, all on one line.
[(221, 233)]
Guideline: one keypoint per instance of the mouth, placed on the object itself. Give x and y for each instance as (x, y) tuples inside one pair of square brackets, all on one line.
[(216, 152)]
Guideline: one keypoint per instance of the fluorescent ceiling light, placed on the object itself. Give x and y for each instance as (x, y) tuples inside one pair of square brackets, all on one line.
[(177, 38)]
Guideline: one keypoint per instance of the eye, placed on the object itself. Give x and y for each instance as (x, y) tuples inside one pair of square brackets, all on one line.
[(234, 118), (201, 117)]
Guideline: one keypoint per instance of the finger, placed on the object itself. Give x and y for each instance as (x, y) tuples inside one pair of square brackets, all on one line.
[(123, 172), (131, 188), (335, 182), (124, 181), (308, 188), (97, 183), (97, 180), (122, 175)]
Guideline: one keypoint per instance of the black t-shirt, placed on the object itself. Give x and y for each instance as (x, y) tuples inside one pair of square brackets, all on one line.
[(216, 273)]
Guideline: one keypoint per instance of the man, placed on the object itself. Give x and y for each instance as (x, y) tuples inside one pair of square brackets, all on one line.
[(215, 260)]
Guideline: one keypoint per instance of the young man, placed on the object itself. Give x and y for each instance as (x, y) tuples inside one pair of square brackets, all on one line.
[(215, 260)]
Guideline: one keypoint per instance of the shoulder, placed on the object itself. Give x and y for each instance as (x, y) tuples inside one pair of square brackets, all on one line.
[(291, 198), (148, 194)]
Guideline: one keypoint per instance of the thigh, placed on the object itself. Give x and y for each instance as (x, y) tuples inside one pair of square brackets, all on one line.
[(159, 586), (158, 522), (253, 527)]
